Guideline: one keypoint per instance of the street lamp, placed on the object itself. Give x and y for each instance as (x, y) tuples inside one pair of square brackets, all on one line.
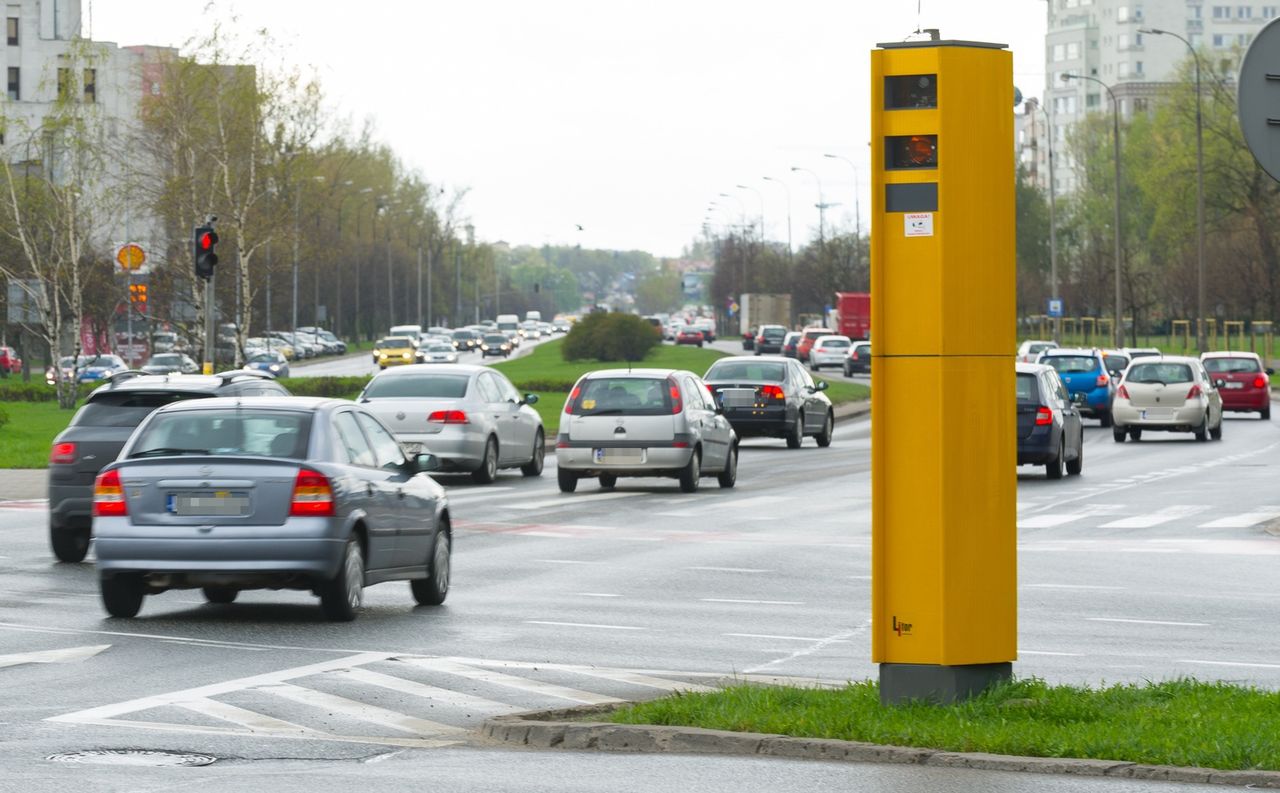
[(783, 185), (822, 203), (760, 196), (1115, 135), (857, 206), (1200, 323), (1053, 223)]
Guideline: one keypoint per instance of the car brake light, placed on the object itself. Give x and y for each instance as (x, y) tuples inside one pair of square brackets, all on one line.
[(1103, 380), (1123, 393), (1043, 416), (1194, 393), (819, 349), (573, 398), (772, 392), (448, 417), (677, 404), (62, 453), (1259, 382), (108, 495), (312, 495)]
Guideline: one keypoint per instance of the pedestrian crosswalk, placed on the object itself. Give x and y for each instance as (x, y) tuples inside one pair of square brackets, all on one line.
[(385, 698)]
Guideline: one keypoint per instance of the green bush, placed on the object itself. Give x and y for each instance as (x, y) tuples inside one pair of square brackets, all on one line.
[(328, 387), (537, 386), (4, 417), (36, 391), (610, 337)]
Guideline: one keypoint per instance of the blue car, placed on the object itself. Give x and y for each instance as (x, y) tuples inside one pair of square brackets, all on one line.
[(269, 361), (1084, 371)]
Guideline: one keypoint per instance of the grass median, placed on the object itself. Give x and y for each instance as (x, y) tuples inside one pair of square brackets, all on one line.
[(26, 439), (1181, 722)]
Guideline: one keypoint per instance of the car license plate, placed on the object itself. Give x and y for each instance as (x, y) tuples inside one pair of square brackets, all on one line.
[(617, 456), (1235, 385), (213, 502), (738, 397)]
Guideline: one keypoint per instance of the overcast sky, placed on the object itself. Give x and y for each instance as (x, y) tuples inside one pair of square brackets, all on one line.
[(625, 116)]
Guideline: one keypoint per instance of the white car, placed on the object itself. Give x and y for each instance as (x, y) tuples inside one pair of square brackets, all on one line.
[(1169, 394), (829, 351), (1030, 350)]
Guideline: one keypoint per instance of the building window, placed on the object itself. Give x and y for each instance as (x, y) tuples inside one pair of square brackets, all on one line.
[(1092, 100), (1073, 50), (1122, 13), (1244, 38), (1244, 12), (90, 85), (15, 87), (1137, 68), (64, 83), (11, 31), (1196, 40), (1219, 40), (1059, 52), (1268, 12), (1195, 11), (1221, 12), (1139, 105)]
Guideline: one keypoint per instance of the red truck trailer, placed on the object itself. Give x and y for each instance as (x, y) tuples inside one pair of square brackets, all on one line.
[(853, 314)]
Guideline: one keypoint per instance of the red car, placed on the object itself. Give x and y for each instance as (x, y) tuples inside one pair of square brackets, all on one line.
[(689, 336), (10, 363), (1247, 384), (808, 337)]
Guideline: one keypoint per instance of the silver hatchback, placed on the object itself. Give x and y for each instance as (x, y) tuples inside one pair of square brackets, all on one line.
[(644, 422), (470, 418)]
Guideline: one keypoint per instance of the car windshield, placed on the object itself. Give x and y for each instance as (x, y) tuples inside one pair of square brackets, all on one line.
[(495, 339), (264, 357), (1027, 388), (444, 347), (125, 409), (623, 396), (425, 384), (1232, 365), (393, 341), (1159, 373), (1068, 364), (234, 431), (750, 371), (166, 360), (462, 335)]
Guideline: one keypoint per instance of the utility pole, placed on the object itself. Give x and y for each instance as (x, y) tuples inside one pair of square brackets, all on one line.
[(457, 286), (419, 313), (297, 210)]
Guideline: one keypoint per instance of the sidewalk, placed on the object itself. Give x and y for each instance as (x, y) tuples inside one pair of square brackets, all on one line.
[(21, 484)]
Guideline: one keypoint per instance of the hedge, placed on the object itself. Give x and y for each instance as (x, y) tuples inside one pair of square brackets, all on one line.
[(329, 387), (35, 391)]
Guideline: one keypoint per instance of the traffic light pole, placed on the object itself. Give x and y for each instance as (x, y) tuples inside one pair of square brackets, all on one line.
[(209, 325)]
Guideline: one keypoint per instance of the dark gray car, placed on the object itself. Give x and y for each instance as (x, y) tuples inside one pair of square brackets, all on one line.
[(282, 493)]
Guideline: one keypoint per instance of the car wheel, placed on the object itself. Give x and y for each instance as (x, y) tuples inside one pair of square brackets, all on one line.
[(729, 476), (432, 590), (1053, 469), (1118, 433), (220, 594), (691, 473), (1105, 418), (567, 480), (342, 596), (1202, 432), (1074, 467), (608, 480), (1216, 432), (534, 466), (122, 594), (848, 370), (488, 470), (69, 545), (828, 427), (1135, 434), (795, 438), (1265, 414)]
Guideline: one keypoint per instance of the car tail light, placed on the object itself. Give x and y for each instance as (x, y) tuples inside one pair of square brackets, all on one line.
[(448, 417), (1102, 380), (677, 404), (312, 495), (572, 400), (772, 392), (1195, 392), (108, 495), (854, 355), (1044, 416), (62, 453), (819, 349), (1123, 393), (1259, 382)]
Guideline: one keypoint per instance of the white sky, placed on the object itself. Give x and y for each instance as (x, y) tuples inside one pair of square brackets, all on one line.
[(625, 116)]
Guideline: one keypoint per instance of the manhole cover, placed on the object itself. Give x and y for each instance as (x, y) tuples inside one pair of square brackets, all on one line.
[(140, 757)]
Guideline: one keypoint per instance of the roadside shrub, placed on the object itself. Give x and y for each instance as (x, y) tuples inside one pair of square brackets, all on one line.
[(35, 391), (327, 387), (539, 386), (610, 337)]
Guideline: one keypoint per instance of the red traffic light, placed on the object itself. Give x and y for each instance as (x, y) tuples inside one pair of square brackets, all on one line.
[(207, 240)]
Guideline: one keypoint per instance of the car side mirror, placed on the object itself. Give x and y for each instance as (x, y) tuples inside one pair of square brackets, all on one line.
[(1078, 399), (425, 463), (531, 399), (1270, 372), (1115, 374), (1219, 383), (821, 385)]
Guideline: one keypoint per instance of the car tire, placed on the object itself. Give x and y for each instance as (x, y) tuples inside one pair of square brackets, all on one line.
[(1216, 432), (1135, 434), (848, 370), (342, 596), (795, 438), (1202, 432), (1074, 467), (1053, 468), (1118, 433), (608, 481), (488, 470), (1105, 418), (69, 545), (432, 590), (220, 594), (691, 473), (535, 464), (1265, 414), (122, 594), (568, 480), (729, 476), (828, 429)]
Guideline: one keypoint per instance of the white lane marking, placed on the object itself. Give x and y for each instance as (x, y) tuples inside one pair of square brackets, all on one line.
[(1046, 652), (434, 693), (571, 501), (730, 569), (529, 686), (378, 758), (1149, 622), (586, 625), (1243, 520), (1058, 519), (754, 602), (248, 719), (63, 656), (1170, 513), (838, 638), (597, 595), (783, 638), (358, 710), (1228, 663), (1075, 586)]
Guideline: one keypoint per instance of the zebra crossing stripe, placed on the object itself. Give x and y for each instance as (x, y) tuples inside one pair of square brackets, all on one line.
[(527, 685), (1244, 520), (358, 710)]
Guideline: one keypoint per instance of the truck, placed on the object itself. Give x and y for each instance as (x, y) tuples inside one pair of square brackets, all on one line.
[(852, 315), (764, 309)]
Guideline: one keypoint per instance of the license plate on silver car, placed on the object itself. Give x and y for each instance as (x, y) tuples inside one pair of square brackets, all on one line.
[(617, 456), (222, 503)]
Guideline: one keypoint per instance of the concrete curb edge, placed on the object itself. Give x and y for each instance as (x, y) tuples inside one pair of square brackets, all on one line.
[(565, 729)]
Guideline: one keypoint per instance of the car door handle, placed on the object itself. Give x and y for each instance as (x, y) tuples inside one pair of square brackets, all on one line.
[(369, 488)]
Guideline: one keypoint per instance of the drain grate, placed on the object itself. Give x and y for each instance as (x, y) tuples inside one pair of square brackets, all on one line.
[(133, 757)]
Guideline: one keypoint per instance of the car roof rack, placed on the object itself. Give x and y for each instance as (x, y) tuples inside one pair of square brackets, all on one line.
[(232, 374), (127, 374)]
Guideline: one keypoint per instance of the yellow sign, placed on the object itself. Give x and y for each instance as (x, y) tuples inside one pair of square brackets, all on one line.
[(130, 256)]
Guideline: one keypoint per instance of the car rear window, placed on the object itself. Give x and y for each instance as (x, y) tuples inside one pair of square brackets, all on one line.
[(437, 386), (836, 343), (1071, 363), (773, 333), (1230, 365), (1027, 391), (623, 396), (1036, 349), (1159, 373), (1115, 363), (814, 334), (750, 371), (393, 341), (126, 409), (237, 431)]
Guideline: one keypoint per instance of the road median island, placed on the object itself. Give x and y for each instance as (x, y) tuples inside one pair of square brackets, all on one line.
[(1175, 731)]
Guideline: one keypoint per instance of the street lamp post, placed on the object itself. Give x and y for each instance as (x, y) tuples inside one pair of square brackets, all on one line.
[(760, 196), (857, 206), (822, 203), (1115, 135), (1201, 341), (783, 185), (1053, 223), (368, 191)]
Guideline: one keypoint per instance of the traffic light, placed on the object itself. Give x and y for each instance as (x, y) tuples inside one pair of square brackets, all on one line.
[(205, 241), (138, 296)]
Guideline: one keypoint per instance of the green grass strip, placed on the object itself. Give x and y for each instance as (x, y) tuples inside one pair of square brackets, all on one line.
[(1180, 722), (26, 439)]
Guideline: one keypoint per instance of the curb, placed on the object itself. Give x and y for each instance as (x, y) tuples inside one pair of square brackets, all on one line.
[(559, 729)]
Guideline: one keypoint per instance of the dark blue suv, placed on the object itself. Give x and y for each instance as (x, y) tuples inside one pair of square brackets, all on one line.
[(1084, 371)]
